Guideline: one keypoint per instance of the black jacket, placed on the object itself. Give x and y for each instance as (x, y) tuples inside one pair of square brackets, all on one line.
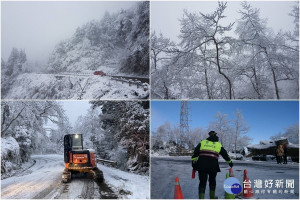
[(207, 163)]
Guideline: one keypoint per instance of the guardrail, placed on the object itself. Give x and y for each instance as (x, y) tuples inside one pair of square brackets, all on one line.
[(110, 162), (131, 82)]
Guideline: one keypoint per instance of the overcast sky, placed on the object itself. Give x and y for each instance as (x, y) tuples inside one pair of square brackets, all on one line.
[(38, 26), (74, 109), (165, 15)]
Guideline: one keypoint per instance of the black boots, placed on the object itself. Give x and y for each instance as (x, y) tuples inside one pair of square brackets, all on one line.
[(212, 194)]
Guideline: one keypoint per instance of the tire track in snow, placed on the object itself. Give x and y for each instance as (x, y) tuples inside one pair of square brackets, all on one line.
[(43, 180)]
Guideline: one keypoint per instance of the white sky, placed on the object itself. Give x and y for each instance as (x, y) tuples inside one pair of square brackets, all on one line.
[(165, 15), (38, 26), (74, 109)]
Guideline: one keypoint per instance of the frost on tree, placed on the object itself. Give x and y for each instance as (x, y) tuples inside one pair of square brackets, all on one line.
[(232, 134), (210, 62), (15, 65), (119, 131), (117, 40), (23, 128)]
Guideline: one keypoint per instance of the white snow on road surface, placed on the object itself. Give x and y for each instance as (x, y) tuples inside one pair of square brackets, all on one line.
[(37, 182), (137, 185), (43, 181), (47, 86)]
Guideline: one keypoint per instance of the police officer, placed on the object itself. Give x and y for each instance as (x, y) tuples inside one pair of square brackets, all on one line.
[(205, 161)]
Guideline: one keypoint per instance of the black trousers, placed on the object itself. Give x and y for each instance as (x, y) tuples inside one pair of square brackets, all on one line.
[(203, 179), (285, 159)]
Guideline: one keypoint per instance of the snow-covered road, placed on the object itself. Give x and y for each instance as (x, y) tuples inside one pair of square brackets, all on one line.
[(43, 181), (164, 170)]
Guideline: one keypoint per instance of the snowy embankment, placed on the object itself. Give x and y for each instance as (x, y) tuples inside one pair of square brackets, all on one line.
[(126, 184), (10, 157), (47, 86)]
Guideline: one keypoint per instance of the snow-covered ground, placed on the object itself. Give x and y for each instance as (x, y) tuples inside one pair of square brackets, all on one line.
[(132, 186), (164, 170), (47, 86), (43, 181), (40, 181)]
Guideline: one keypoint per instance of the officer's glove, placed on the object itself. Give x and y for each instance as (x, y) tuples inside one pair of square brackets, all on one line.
[(194, 165), (230, 164)]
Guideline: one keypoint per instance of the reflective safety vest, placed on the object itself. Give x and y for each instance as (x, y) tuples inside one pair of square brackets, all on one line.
[(209, 148)]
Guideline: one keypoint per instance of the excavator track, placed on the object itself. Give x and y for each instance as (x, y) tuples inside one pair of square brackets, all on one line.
[(97, 175), (66, 176)]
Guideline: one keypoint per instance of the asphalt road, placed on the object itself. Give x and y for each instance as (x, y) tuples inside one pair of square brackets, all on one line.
[(164, 170)]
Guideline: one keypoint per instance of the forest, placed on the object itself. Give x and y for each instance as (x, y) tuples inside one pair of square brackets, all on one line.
[(221, 59), (118, 131), (232, 133), (118, 41)]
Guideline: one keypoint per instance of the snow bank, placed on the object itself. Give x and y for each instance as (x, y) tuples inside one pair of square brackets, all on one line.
[(10, 155), (49, 86), (236, 156), (125, 184)]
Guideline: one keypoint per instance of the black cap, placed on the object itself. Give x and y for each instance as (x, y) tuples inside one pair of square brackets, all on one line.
[(212, 133)]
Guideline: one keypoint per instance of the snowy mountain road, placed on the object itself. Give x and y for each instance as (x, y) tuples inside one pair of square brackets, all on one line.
[(43, 180), (40, 181), (164, 170), (132, 78)]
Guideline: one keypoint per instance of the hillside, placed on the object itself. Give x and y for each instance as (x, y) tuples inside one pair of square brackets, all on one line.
[(47, 86)]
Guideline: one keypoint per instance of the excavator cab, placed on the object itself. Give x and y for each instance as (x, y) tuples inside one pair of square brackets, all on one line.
[(72, 142), (79, 160)]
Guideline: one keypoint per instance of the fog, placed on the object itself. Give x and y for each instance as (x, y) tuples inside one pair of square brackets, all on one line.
[(38, 26), (165, 15), (75, 109)]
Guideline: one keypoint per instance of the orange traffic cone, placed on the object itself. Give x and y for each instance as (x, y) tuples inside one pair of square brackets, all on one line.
[(247, 190), (177, 193)]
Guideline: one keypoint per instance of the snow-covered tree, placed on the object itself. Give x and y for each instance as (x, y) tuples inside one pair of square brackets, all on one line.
[(291, 133), (168, 139), (222, 126), (125, 134), (240, 128), (137, 60), (25, 122), (120, 38), (159, 45), (267, 58), (212, 63), (205, 32), (90, 126)]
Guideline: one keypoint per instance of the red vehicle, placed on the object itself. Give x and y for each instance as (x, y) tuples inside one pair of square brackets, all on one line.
[(101, 73)]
